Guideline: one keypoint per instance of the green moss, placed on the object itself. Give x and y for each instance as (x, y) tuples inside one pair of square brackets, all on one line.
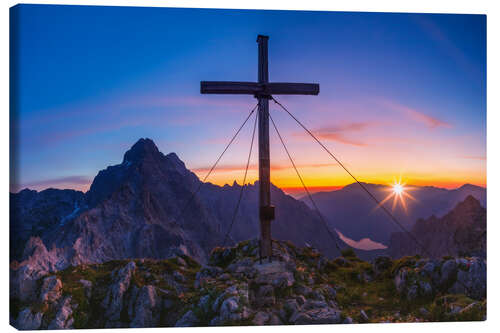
[(283, 293), (445, 308), (348, 253), (243, 322), (378, 298), (408, 261)]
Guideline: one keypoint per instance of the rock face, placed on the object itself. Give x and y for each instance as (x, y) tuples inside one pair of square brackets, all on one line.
[(33, 214), (27, 320), (113, 302), (51, 289), (460, 232), (299, 287), (63, 319), (144, 208), (39, 262), (145, 311)]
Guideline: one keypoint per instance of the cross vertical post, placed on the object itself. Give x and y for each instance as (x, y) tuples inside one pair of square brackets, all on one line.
[(266, 211), (263, 91)]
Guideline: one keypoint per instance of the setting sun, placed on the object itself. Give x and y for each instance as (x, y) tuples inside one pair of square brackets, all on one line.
[(397, 188), (398, 193)]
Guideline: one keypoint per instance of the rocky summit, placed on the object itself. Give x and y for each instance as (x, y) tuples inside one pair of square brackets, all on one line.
[(299, 286)]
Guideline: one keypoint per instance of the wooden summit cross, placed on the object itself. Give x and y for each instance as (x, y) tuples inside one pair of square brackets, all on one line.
[(263, 91)]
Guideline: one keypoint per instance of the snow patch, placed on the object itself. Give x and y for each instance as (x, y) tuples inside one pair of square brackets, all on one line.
[(70, 216)]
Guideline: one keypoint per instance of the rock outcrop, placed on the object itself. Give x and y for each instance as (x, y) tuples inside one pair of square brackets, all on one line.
[(33, 214), (427, 277), (113, 302), (460, 232), (299, 286)]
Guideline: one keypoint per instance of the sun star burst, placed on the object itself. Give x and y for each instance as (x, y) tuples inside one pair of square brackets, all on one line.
[(398, 192)]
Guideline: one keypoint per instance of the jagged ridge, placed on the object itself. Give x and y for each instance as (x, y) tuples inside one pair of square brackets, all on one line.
[(462, 231)]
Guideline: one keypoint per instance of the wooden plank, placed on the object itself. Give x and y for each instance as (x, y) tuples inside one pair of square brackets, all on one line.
[(254, 88), (283, 88), (264, 155), (228, 87)]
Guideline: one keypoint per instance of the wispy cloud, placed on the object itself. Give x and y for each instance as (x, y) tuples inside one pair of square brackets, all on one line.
[(278, 167), (338, 132), (473, 157), (340, 138), (348, 127), (416, 115), (73, 182)]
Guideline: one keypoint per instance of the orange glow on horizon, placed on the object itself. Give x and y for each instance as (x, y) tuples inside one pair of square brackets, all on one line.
[(292, 183)]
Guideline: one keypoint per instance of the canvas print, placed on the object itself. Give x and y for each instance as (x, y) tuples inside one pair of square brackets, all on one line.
[(176, 167)]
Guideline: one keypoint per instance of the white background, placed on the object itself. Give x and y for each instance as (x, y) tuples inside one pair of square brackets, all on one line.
[(491, 8)]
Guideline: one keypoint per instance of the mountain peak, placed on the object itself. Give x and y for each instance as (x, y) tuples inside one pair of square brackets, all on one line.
[(142, 149), (469, 187), (469, 203)]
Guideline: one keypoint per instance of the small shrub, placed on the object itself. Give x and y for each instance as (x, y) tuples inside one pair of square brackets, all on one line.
[(348, 253)]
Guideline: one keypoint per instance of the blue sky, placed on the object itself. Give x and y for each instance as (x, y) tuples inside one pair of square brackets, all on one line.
[(401, 94)]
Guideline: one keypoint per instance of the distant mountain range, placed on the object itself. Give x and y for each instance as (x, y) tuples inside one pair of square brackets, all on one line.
[(131, 209), (351, 211)]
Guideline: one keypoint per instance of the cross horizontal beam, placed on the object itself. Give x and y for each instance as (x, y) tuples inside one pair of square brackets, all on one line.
[(254, 88)]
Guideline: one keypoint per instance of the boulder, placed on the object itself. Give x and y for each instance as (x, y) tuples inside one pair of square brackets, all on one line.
[(260, 318), (302, 289), (113, 301), (189, 319), (87, 286), (312, 304), (228, 307), (364, 317), (317, 316), (471, 279), (448, 272), (23, 282), (27, 320), (411, 285), (291, 306), (51, 289), (275, 320), (63, 319), (146, 307), (178, 276), (204, 303), (265, 296), (283, 280), (330, 292)]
